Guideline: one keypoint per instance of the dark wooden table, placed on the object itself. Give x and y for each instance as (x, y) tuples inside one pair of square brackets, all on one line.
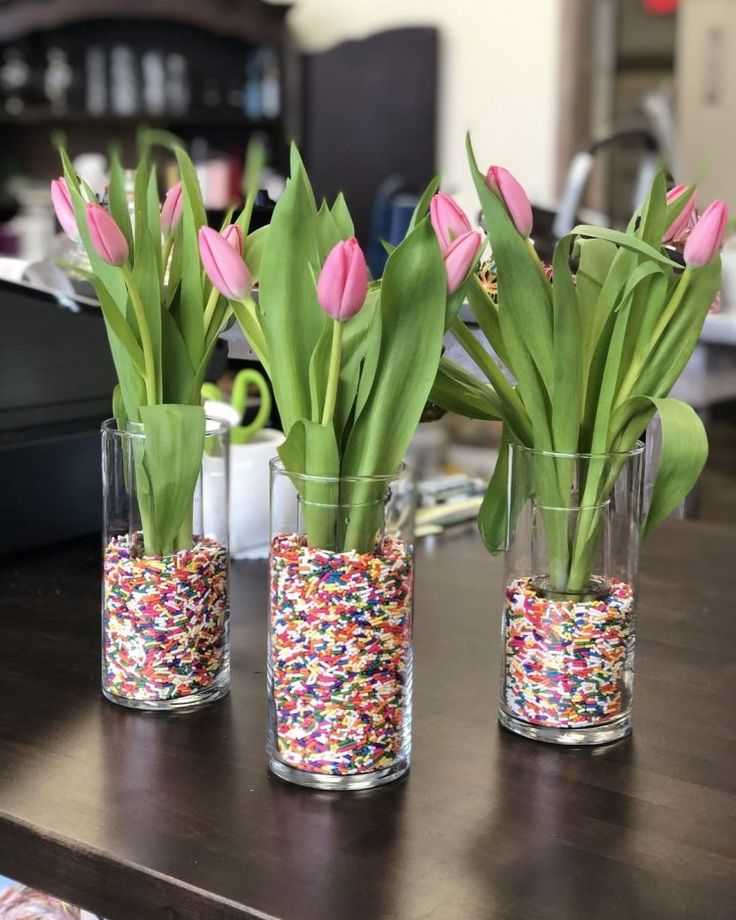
[(139, 816)]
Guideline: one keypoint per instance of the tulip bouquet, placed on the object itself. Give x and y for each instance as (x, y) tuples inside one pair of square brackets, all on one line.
[(351, 360), (163, 318), (594, 344)]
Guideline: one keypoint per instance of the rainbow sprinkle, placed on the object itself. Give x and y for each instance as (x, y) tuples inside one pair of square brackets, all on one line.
[(164, 620), (565, 660), (340, 656)]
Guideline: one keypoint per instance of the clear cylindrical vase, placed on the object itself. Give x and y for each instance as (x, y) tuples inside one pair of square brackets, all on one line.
[(568, 618), (165, 601), (340, 642)]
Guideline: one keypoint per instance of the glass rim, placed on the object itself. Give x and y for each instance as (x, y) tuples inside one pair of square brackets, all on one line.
[(136, 429), (277, 468), (635, 451)]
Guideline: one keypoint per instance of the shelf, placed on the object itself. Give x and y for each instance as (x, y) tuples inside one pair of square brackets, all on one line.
[(42, 116)]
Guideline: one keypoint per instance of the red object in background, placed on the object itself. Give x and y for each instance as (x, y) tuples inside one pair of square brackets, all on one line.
[(660, 7)]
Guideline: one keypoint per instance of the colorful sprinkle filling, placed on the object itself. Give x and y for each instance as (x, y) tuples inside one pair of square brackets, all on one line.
[(340, 655), (566, 660), (164, 621)]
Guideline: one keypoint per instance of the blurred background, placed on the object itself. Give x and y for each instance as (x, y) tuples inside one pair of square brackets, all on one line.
[(581, 99)]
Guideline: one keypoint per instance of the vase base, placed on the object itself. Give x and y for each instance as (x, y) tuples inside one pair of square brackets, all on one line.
[(217, 691), (592, 734), (348, 783)]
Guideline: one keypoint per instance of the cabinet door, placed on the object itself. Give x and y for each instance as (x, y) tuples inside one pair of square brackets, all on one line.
[(370, 113)]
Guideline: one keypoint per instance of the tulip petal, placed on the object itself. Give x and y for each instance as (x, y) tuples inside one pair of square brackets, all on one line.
[(106, 237), (343, 282), (512, 193), (234, 237), (225, 267), (171, 209), (63, 208), (460, 256), (680, 222), (706, 237), (448, 219)]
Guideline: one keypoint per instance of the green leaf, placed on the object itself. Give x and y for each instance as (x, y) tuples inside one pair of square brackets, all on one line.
[(247, 318), (170, 466), (188, 306), (524, 294), (153, 208), (683, 454), (504, 498), (624, 240), (253, 248), (361, 345), (117, 327), (457, 390), (146, 277), (178, 378), (327, 232), (567, 393), (595, 258), (485, 312), (319, 368), (311, 448), (291, 317), (342, 218), (412, 314), (422, 208)]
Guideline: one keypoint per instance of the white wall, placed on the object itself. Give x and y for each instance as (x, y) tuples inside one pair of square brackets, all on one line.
[(706, 90), (499, 62)]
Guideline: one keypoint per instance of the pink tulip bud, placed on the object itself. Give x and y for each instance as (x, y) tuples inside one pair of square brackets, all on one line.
[(449, 221), (343, 281), (680, 222), (171, 209), (512, 194), (225, 267), (459, 258), (105, 235), (706, 236), (234, 236), (63, 207)]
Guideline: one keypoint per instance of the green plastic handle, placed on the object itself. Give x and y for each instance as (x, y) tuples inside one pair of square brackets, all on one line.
[(241, 434)]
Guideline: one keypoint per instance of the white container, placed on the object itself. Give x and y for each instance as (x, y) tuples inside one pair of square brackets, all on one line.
[(249, 488)]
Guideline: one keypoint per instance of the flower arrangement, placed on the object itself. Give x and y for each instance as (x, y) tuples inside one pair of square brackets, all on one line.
[(352, 361), (592, 348), (163, 317)]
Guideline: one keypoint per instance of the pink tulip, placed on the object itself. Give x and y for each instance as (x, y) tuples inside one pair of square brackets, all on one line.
[(171, 209), (63, 207), (225, 267), (234, 236), (343, 281), (512, 194), (449, 221), (105, 235), (459, 258), (706, 236), (679, 223)]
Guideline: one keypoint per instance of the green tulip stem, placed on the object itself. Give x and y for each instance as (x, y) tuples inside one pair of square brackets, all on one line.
[(334, 373), (145, 334), (210, 308), (640, 359)]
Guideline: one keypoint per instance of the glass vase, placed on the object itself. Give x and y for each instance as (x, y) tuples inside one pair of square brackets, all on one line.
[(165, 640), (340, 644), (568, 619)]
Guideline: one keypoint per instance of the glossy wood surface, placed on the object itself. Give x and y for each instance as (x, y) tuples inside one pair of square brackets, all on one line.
[(140, 816)]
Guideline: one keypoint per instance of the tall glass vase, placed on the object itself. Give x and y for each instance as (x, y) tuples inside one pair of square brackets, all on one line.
[(340, 641), (568, 618), (165, 641)]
